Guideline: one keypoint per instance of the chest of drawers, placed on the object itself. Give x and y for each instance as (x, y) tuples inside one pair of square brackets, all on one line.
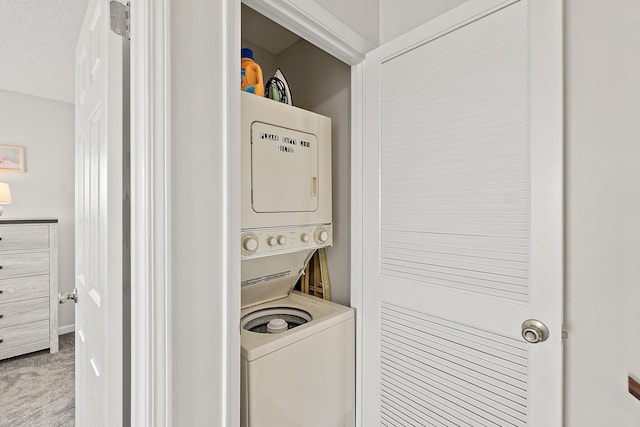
[(28, 286)]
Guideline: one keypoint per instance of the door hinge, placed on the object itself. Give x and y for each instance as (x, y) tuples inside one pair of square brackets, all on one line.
[(565, 335), (120, 14)]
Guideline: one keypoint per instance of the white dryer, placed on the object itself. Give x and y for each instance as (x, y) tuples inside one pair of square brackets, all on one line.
[(297, 355), (286, 195)]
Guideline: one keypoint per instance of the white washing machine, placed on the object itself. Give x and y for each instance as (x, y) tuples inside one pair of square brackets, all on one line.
[(304, 376), (298, 351)]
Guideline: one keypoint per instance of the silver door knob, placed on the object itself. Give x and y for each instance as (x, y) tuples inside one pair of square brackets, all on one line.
[(534, 331), (68, 296)]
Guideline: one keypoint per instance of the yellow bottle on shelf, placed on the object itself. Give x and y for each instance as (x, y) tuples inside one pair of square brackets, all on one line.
[(251, 73)]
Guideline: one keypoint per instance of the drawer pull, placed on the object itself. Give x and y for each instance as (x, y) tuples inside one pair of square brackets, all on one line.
[(1, 316), (1, 340)]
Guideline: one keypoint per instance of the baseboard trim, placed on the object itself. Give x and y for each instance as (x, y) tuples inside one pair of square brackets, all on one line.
[(66, 329)]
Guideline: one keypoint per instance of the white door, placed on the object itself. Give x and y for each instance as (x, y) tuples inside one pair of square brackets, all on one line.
[(99, 229), (463, 219)]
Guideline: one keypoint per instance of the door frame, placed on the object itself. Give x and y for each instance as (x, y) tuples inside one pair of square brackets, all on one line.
[(151, 302), (313, 23), (150, 215)]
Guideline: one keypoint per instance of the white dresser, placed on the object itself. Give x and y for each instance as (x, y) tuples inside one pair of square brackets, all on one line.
[(28, 286)]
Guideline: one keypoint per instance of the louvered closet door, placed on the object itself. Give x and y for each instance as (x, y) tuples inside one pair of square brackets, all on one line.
[(463, 220)]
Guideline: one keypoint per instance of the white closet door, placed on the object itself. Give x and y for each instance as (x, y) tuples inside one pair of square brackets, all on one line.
[(463, 219), (99, 232)]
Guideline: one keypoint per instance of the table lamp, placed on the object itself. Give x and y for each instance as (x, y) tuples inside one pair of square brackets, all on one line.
[(5, 195)]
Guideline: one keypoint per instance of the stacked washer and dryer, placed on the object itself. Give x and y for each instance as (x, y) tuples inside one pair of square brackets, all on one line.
[(297, 366)]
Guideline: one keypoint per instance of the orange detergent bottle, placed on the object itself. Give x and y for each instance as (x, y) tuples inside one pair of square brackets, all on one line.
[(251, 73)]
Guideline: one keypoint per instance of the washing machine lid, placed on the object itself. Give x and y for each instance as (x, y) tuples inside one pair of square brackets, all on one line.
[(272, 277)]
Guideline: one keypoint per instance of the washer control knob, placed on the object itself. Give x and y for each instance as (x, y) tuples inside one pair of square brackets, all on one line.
[(282, 240), (304, 237), (271, 241), (249, 243), (321, 235)]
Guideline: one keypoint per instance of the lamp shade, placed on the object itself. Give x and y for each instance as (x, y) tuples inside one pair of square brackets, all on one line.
[(5, 194)]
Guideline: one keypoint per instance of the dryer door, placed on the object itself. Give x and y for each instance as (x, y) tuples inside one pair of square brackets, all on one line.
[(284, 169)]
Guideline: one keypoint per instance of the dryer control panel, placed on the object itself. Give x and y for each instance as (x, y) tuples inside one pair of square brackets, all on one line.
[(256, 243)]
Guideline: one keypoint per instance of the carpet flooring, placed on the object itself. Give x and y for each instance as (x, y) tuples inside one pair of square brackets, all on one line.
[(37, 389)]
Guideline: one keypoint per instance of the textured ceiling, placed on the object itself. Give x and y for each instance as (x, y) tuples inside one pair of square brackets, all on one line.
[(38, 39), (37, 46)]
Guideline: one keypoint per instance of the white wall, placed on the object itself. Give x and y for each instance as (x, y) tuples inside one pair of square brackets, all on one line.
[(362, 16), (602, 211), (321, 83), (400, 16), (205, 380), (602, 289), (46, 129)]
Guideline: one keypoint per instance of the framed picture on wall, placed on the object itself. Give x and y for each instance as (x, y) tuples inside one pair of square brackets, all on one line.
[(11, 159)]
